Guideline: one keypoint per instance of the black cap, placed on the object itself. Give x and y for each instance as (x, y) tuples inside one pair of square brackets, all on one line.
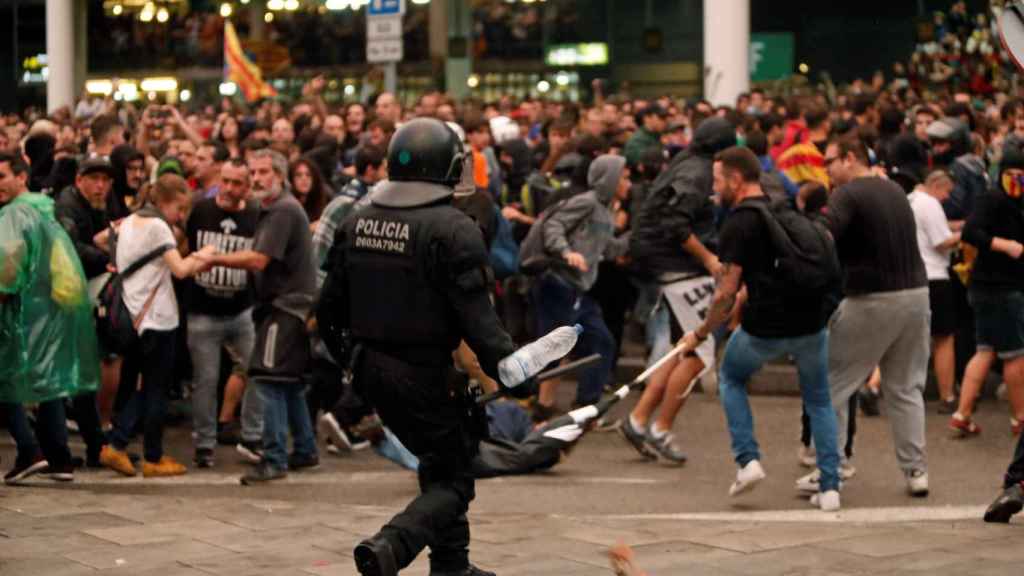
[(96, 163), (1013, 157), (654, 109)]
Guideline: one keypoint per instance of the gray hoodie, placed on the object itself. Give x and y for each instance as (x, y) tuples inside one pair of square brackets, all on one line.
[(585, 224)]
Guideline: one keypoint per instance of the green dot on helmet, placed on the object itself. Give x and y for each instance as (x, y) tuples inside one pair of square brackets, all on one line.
[(404, 157)]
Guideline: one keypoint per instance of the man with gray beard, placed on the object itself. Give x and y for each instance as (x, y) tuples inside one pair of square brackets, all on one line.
[(284, 280)]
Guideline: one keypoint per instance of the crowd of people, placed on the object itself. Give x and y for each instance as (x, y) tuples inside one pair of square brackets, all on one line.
[(679, 216), (312, 37)]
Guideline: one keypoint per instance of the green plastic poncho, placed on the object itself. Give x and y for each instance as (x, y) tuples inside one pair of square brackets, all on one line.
[(47, 336)]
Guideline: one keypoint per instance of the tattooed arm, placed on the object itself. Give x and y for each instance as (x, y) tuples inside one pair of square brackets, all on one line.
[(729, 281)]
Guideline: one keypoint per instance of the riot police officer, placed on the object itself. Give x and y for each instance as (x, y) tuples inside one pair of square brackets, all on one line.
[(408, 279)]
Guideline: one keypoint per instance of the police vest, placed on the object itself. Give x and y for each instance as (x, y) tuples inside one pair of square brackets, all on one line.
[(396, 277)]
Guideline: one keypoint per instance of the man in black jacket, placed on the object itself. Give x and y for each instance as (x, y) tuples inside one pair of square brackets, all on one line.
[(82, 210), (674, 240)]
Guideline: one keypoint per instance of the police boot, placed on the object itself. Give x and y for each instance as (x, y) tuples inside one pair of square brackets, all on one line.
[(470, 571), (374, 557)]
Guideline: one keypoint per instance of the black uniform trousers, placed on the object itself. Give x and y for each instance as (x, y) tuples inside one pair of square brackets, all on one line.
[(420, 406), (1015, 473)]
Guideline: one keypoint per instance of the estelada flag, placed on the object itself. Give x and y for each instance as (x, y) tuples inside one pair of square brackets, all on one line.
[(242, 71)]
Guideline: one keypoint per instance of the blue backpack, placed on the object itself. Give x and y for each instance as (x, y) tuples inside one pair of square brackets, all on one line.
[(504, 250)]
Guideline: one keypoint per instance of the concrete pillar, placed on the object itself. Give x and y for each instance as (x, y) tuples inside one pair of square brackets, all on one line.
[(726, 50), (81, 46), (458, 66), (60, 53), (257, 26)]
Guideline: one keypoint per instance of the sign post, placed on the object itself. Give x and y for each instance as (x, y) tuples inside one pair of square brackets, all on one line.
[(384, 37)]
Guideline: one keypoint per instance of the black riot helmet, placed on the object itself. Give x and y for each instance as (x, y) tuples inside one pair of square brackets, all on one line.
[(426, 161), (425, 150)]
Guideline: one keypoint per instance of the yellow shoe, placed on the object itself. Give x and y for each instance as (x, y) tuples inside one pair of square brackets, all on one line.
[(167, 466), (116, 460)]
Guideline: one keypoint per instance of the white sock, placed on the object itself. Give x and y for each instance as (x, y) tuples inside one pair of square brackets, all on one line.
[(636, 424), (657, 433)]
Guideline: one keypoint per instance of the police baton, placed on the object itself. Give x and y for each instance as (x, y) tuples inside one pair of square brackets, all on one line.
[(606, 403), (553, 373), (584, 415)]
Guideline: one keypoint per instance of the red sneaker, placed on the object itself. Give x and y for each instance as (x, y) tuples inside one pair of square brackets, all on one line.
[(963, 427)]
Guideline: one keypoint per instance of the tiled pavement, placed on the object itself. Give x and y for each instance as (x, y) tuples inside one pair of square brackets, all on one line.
[(73, 531)]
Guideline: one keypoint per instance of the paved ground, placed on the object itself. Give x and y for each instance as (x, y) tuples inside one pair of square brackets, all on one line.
[(679, 520)]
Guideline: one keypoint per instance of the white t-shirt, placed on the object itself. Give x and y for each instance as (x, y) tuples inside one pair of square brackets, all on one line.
[(932, 231), (137, 237)]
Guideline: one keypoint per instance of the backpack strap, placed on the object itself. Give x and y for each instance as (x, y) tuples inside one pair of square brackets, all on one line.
[(146, 259), (780, 238), (138, 264)]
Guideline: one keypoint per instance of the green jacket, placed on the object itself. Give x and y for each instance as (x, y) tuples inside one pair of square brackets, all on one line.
[(638, 143), (47, 335)]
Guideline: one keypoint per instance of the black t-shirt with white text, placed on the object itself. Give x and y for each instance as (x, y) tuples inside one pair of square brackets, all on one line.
[(221, 291), (770, 311)]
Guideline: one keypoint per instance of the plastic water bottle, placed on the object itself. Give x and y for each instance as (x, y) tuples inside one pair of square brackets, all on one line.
[(529, 360)]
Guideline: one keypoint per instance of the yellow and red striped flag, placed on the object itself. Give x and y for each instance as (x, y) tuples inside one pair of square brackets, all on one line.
[(242, 71)]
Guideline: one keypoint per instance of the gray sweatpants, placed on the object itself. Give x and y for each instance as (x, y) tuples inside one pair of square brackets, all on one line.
[(889, 330)]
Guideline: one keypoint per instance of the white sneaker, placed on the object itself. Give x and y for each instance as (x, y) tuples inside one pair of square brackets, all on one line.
[(807, 456), (746, 478), (811, 483), (917, 483), (330, 428), (827, 501)]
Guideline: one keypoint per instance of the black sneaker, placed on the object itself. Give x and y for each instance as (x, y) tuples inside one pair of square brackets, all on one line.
[(204, 458), (251, 451), (1010, 502), (868, 400), (65, 473), (374, 557), (298, 462), (470, 571), (667, 449), (636, 439), (228, 433), (263, 472), (24, 469), (948, 406)]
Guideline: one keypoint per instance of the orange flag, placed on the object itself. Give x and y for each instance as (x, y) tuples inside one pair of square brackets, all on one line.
[(242, 71)]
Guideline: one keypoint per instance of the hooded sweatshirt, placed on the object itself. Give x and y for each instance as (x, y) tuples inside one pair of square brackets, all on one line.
[(585, 224), (679, 204), (117, 203), (997, 215)]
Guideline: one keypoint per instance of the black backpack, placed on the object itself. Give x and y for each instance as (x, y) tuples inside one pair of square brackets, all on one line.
[(807, 260), (117, 329)]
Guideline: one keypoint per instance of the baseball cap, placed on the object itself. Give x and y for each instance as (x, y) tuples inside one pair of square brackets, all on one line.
[(96, 163), (170, 165)]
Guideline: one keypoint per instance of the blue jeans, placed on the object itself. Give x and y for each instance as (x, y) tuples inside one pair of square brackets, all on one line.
[(51, 431), (557, 303), (206, 336), (284, 409), (744, 355)]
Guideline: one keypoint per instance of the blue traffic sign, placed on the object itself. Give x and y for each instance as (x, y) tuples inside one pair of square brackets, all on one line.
[(386, 7)]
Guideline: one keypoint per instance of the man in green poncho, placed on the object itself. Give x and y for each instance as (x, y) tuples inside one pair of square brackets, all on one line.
[(47, 337)]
